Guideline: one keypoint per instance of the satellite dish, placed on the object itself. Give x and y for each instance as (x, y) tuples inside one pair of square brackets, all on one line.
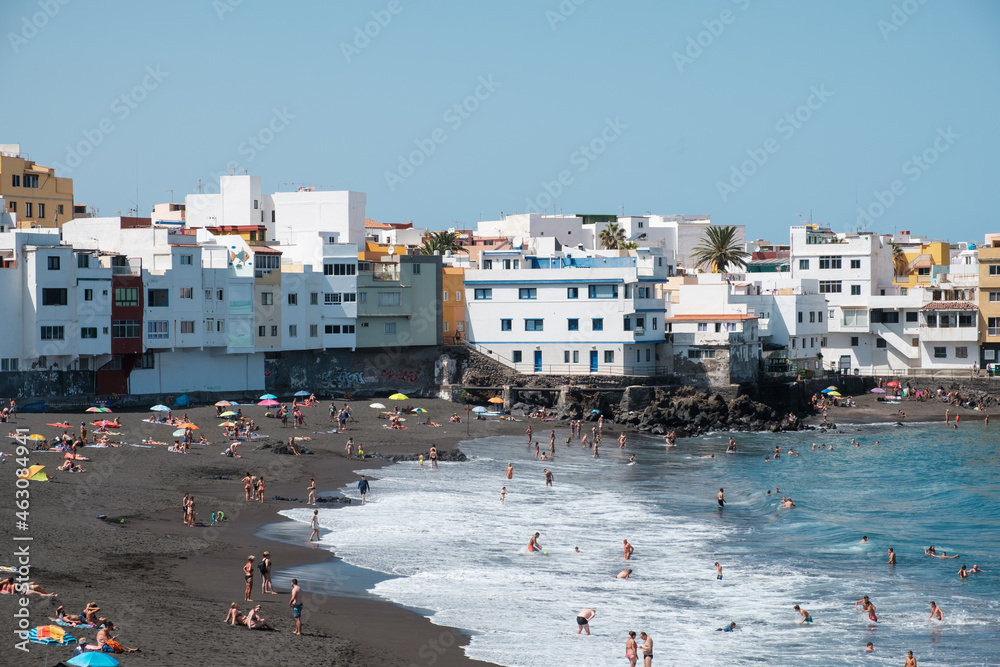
[(392, 250), (517, 242)]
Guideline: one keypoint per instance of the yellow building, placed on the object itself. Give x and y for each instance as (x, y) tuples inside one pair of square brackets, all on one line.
[(919, 259), (34, 194), (989, 301), (453, 304)]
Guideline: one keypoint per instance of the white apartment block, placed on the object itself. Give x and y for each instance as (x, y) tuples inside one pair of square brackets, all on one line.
[(544, 310)]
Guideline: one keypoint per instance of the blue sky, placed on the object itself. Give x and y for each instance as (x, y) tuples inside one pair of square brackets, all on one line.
[(756, 113)]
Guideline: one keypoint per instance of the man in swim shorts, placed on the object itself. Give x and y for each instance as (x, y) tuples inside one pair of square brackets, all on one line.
[(936, 613), (806, 618), (647, 649), (718, 570), (295, 602), (533, 544), (721, 498), (583, 620)]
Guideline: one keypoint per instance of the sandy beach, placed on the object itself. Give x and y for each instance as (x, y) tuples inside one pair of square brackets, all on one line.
[(167, 586)]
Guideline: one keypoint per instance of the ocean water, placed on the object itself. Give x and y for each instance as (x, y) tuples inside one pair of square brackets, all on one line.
[(462, 557)]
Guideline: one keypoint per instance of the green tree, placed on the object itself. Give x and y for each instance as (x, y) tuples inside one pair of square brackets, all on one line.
[(719, 250), (612, 237), (441, 242)]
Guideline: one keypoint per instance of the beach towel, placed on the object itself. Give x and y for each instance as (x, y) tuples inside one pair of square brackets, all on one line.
[(401, 428), (70, 625), (143, 446), (7, 569)]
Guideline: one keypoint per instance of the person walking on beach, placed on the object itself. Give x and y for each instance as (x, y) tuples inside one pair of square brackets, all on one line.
[(265, 574), (628, 549), (248, 577), (583, 620), (312, 492), (647, 649), (529, 435), (806, 617), (349, 448), (363, 487), (721, 498), (295, 602), (936, 613), (622, 440), (314, 524), (537, 448)]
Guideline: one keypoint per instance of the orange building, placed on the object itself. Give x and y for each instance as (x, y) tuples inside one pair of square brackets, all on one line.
[(453, 304)]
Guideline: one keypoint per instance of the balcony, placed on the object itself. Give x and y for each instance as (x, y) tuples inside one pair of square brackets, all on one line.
[(125, 271), (640, 331), (388, 273)]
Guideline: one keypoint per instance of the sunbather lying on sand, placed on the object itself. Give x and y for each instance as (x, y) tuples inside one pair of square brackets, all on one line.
[(257, 622), (29, 588)]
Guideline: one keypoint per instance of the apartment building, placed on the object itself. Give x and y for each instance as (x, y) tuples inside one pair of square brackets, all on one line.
[(34, 196), (400, 302)]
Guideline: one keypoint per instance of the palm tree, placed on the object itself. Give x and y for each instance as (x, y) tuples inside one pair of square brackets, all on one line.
[(441, 242), (612, 237), (898, 260), (719, 250)]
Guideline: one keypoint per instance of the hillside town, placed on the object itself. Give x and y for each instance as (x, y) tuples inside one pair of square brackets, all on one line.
[(198, 295)]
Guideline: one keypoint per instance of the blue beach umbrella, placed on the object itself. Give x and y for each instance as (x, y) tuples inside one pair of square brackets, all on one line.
[(302, 393), (159, 407), (268, 396), (479, 409), (93, 659)]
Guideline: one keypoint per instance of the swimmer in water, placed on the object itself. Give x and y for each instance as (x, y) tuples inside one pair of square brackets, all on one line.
[(624, 574), (718, 570), (910, 660), (867, 606), (870, 648), (963, 573), (892, 556), (721, 498), (631, 459), (936, 613), (864, 538), (503, 494), (533, 544), (628, 549), (975, 569), (806, 618)]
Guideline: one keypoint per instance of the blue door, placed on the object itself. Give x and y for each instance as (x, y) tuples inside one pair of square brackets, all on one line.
[(538, 361), (593, 361)]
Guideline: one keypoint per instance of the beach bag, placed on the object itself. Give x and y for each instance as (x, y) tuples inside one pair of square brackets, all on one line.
[(262, 567), (112, 646)]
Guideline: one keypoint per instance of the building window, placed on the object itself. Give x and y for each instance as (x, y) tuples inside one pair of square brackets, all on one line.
[(483, 294), (349, 297), (88, 295), (505, 325), (127, 296), (59, 209), (157, 329), (293, 299), (527, 293), (388, 298), (83, 261), (855, 290), (627, 323), (800, 317), (53, 333), (565, 356), (602, 291), (829, 262), (209, 325), (267, 298), (516, 356), (446, 326), (329, 328), (31, 181), (803, 264), (924, 271), (995, 269), (349, 328), (390, 328), (128, 328), (812, 317), (362, 297), (416, 269), (339, 269), (931, 320), (53, 260), (88, 332), (830, 287), (262, 331), (444, 296), (573, 324), (880, 342), (219, 294), (903, 291), (293, 330), (185, 260), (220, 326), (855, 341), (208, 295), (702, 326), (147, 361), (855, 318), (187, 326), (331, 298), (533, 325), (572, 292), (15, 180), (313, 330), (890, 317), (461, 325), (487, 264), (274, 330), (966, 320), (819, 314), (158, 298), (961, 353), (256, 204), (187, 292), (609, 356), (647, 355), (912, 316), (54, 296), (576, 356), (458, 296), (13, 207), (940, 353), (314, 298), (9, 364), (994, 296), (27, 210), (855, 263), (597, 324)]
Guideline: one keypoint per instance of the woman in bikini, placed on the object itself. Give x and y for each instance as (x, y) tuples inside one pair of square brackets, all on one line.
[(257, 622), (246, 485), (260, 489), (631, 649), (248, 576), (234, 616)]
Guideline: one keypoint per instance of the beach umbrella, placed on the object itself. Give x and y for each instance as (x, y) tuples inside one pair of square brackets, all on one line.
[(49, 635), (189, 425), (269, 403), (496, 399), (228, 413), (878, 390), (828, 391), (399, 397), (892, 384), (268, 397), (228, 424), (93, 659), (419, 410), (479, 409), (834, 393), (302, 393), (832, 388), (96, 409), (61, 425), (159, 407), (595, 412), (178, 433), (377, 406), (223, 404), (36, 436)]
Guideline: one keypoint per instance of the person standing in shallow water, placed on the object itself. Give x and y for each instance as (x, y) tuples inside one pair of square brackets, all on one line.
[(721, 498)]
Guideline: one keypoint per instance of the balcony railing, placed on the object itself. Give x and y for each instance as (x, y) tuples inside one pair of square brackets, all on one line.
[(125, 271)]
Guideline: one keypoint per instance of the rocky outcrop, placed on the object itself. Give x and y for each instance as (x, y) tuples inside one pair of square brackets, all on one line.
[(456, 455)]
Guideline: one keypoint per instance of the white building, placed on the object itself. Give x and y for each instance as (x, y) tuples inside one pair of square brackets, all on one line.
[(544, 308)]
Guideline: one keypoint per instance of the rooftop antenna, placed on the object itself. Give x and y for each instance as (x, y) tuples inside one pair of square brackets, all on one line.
[(137, 184), (171, 195), (200, 188)]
